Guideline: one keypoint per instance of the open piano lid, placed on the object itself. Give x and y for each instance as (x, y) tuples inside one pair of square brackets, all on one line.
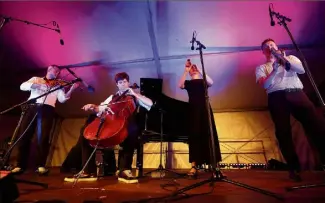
[(175, 120)]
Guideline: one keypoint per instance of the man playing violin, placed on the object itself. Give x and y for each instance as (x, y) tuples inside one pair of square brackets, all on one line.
[(125, 158), (40, 114)]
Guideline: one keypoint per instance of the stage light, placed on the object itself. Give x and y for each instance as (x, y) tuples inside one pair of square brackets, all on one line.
[(243, 165), (237, 165), (223, 165), (256, 166)]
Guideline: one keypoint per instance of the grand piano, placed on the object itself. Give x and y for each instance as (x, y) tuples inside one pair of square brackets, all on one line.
[(167, 112)]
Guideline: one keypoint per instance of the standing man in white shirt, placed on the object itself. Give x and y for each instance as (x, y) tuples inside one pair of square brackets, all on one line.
[(45, 109), (286, 97), (125, 158)]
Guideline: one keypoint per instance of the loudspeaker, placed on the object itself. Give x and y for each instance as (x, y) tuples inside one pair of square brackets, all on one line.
[(8, 189), (151, 87), (274, 164)]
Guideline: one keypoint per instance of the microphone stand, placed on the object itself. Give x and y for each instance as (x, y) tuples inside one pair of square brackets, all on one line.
[(216, 173), (8, 19), (12, 140), (4, 22), (4, 160), (78, 175), (282, 21), (160, 170), (34, 99)]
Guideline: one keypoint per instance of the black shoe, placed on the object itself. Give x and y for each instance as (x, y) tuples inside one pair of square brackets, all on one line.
[(127, 177), (42, 171), (295, 176)]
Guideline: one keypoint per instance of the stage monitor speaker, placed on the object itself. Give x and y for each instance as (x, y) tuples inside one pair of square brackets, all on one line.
[(151, 87), (8, 189), (274, 164)]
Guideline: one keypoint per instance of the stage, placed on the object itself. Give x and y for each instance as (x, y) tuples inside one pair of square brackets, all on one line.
[(108, 189)]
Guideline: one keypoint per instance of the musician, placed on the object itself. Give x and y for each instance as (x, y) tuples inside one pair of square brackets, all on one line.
[(199, 130), (286, 97), (79, 152), (128, 145), (45, 109)]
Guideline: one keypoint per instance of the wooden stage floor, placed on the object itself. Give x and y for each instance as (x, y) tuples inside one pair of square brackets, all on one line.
[(108, 189)]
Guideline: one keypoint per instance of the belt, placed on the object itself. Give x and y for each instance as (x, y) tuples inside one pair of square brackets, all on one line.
[(292, 90), (39, 104), (287, 90), (35, 104)]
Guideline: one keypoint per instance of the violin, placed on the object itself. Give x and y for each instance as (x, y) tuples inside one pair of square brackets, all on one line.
[(56, 82)]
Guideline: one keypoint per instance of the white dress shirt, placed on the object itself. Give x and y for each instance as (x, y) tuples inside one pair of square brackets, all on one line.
[(103, 105), (283, 79), (50, 98)]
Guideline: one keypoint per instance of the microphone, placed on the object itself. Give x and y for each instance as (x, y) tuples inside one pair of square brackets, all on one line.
[(188, 63), (61, 42), (271, 16), (59, 31), (192, 41), (281, 57), (90, 88)]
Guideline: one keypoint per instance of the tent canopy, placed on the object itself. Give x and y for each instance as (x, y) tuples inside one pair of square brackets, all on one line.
[(150, 39)]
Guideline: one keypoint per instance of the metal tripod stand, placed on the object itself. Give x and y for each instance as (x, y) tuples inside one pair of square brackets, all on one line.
[(160, 168), (3, 162), (5, 158), (12, 144), (216, 173)]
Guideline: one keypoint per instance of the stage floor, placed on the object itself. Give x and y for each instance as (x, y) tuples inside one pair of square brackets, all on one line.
[(108, 189)]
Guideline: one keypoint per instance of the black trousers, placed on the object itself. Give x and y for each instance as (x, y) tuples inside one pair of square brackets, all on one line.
[(125, 157), (43, 124), (282, 104)]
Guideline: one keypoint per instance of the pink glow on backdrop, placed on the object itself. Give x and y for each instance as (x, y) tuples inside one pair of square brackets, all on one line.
[(41, 44), (87, 29), (232, 24), (119, 32)]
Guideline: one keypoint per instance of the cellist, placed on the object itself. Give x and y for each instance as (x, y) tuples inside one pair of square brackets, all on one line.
[(125, 158)]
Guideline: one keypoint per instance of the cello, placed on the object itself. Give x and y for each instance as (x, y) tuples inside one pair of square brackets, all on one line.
[(110, 129)]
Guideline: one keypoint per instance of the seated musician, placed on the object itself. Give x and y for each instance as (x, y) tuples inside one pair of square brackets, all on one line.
[(125, 158), (76, 154), (199, 131)]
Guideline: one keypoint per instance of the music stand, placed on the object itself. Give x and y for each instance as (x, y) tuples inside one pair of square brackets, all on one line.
[(160, 168)]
